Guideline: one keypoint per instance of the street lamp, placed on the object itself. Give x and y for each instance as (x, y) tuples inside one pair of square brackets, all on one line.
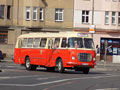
[(92, 12), (92, 26)]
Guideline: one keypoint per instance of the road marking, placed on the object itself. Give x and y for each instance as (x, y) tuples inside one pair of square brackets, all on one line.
[(57, 81), (45, 78), (108, 89), (12, 77), (4, 77), (10, 66), (25, 76)]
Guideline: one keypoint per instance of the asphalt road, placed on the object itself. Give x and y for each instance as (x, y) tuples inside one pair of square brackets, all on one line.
[(15, 77)]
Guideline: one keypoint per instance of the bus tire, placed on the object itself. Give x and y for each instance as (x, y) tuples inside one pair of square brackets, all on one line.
[(59, 66), (86, 71), (28, 65)]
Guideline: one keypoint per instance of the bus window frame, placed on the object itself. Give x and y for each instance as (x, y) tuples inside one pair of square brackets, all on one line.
[(30, 43), (38, 43), (58, 44), (19, 43), (25, 46), (66, 43), (50, 43), (45, 43), (73, 46)]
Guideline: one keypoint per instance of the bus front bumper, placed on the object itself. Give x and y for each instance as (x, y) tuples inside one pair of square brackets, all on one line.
[(83, 64)]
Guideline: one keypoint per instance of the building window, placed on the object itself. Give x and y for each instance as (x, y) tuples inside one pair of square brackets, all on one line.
[(41, 14), (27, 13), (58, 14), (34, 13), (2, 11), (118, 18), (106, 17), (113, 17), (85, 16), (3, 37), (8, 12)]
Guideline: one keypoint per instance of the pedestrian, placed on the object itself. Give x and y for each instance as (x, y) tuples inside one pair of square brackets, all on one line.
[(98, 49)]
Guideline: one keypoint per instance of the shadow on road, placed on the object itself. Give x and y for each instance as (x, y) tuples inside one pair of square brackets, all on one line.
[(70, 72)]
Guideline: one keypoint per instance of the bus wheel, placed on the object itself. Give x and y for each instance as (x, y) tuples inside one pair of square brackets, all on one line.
[(86, 71), (59, 65), (28, 65)]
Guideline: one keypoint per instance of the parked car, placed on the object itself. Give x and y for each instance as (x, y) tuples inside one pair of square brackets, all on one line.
[(1, 55)]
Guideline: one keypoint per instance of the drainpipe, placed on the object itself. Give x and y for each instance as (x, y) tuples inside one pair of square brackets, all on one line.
[(18, 13), (12, 11)]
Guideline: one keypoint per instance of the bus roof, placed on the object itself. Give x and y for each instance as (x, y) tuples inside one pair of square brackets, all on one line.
[(60, 34)]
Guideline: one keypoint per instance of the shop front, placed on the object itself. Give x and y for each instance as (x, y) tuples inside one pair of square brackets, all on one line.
[(109, 45), (110, 49)]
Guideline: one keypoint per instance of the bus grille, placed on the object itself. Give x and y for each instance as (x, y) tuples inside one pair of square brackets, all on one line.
[(84, 57)]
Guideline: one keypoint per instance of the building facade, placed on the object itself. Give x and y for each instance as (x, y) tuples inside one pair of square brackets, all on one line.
[(105, 16), (23, 16)]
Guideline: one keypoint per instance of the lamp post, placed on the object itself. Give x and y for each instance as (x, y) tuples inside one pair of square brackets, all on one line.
[(92, 12), (92, 26)]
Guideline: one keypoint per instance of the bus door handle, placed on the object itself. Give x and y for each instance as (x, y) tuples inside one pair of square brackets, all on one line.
[(41, 51)]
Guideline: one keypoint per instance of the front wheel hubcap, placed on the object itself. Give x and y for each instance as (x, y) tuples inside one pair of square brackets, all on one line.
[(27, 63)]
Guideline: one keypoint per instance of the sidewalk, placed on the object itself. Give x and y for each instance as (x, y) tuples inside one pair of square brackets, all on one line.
[(107, 66), (7, 60)]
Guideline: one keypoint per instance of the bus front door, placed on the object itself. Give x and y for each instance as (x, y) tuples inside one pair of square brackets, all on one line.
[(49, 52)]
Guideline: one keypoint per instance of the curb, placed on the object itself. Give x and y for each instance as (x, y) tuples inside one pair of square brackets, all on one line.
[(7, 61), (106, 69)]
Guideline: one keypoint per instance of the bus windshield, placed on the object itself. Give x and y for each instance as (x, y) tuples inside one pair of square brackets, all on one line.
[(88, 43), (75, 42)]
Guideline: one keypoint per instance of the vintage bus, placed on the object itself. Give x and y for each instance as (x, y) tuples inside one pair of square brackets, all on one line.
[(56, 51)]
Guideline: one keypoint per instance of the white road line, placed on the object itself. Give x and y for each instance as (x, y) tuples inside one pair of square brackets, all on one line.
[(45, 78), (12, 77), (25, 76), (108, 89), (57, 81), (4, 77), (10, 66)]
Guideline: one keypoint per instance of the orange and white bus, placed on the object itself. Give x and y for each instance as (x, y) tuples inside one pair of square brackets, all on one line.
[(56, 51)]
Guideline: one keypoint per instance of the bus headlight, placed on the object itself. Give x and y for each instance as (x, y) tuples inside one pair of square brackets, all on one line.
[(73, 58), (94, 59)]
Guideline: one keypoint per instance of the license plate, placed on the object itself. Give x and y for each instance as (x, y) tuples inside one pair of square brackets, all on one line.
[(85, 64)]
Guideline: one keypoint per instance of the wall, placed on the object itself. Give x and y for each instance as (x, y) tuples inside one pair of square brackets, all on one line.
[(100, 6)]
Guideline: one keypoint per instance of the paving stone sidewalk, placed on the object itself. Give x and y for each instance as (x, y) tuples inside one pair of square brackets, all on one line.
[(107, 66)]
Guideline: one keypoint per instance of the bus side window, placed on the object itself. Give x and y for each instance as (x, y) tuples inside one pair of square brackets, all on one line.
[(24, 42), (50, 43), (43, 42), (19, 44), (30, 42), (64, 44), (36, 42), (56, 42)]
